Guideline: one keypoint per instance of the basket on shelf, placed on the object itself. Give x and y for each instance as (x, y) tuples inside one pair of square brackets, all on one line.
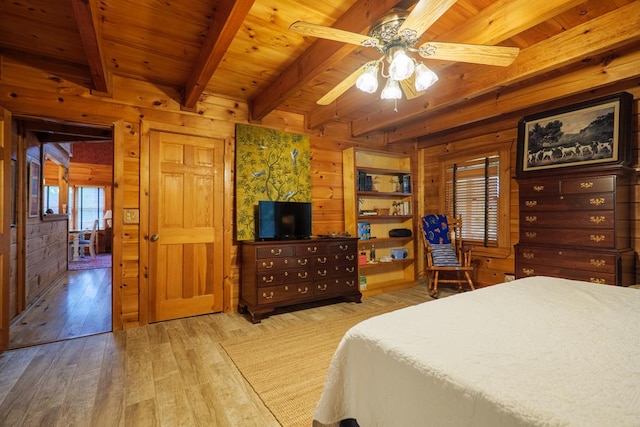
[(382, 211)]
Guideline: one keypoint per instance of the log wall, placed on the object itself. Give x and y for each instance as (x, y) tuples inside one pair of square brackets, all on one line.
[(26, 91)]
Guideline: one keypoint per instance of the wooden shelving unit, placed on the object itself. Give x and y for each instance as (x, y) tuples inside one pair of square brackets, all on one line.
[(378, 190)]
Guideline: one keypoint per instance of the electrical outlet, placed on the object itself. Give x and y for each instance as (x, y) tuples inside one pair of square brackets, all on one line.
[(131, 216)]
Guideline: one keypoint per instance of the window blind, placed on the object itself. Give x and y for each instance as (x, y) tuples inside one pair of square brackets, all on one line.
[(472, 192)]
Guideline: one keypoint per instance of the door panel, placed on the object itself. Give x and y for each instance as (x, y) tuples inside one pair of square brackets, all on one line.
[(5, 226), (186, 214)]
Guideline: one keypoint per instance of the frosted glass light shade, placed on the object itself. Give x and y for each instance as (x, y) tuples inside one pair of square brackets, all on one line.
[(368, 81), (401, 67), (424, 77), (391, 90)]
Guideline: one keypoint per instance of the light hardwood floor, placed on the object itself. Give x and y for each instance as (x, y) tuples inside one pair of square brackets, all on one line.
[(77, 305), (167, 374)]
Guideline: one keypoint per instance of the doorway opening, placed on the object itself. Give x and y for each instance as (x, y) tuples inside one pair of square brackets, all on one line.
[(58, 292)]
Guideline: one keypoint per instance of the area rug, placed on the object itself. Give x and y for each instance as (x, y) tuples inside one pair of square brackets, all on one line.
[(287, 369), (88, 263)]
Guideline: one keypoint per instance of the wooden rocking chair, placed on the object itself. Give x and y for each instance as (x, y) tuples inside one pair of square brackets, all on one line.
[(442, 237)]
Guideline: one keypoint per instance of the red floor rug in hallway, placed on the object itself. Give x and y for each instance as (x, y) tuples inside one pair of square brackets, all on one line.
[(87, 263)]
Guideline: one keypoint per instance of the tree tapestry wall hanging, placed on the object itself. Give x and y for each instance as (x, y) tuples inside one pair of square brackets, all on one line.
[(270, 165)]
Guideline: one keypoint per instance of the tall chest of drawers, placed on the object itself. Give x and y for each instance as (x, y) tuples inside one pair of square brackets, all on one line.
[(281, 273), (576, 226)]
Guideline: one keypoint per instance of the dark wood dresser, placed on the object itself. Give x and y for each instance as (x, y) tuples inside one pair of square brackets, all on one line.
[(286, 272), (576, 226)]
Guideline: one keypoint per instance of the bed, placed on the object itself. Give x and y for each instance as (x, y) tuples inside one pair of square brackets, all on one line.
[(538, 351)]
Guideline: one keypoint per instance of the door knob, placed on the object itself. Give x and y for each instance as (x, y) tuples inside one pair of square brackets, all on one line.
[(154, 237)]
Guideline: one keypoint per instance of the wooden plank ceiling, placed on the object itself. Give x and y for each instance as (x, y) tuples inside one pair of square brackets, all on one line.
[(243, 50)]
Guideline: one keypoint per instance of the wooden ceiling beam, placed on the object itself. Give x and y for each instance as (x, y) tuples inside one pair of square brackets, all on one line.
[(499, 21), (617, 28), (320, 56), (606, 74), (86, 132), (88, 24), (227, 21)]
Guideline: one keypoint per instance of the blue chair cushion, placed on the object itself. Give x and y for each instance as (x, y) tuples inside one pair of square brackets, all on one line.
[(436, 229), (444, 255)]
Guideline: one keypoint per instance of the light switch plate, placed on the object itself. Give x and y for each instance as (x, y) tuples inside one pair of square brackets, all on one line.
[(131, 216)]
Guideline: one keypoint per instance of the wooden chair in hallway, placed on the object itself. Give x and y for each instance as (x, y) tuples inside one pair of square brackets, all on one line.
[(442, 238)]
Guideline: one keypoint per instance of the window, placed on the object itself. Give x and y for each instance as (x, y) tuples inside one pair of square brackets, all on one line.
[(87, 205), (477, 189), (51, 199)]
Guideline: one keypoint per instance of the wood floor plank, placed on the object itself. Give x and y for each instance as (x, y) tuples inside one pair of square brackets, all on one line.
[(169, 373)]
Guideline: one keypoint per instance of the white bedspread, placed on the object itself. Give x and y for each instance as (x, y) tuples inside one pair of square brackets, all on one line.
[(537, 352)]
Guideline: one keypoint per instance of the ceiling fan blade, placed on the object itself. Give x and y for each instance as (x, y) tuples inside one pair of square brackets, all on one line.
[(424, 14), (343, 86), (474, 53), (329, 33), (409, 87)]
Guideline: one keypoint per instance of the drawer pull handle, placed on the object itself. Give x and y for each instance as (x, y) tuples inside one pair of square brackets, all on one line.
[(303, 261), (351, 269), (531, 203), (528, 255), (597, 219), (270, 265), (597, 280), (586, 185), (267, 280), (351, 257), (322, 273), (597, 202), (351, 283), (597, 262), (344, 247), (286, 288), (302, 275), (597, 238), (300, 291), (276, 251), (528, 271), (322, 287), (322, 260), (531, 234), (538, 188), (531, 219), (312, 250), (265, 296)]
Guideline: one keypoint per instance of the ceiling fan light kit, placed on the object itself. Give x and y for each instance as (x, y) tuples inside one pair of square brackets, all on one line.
[(394, 35)]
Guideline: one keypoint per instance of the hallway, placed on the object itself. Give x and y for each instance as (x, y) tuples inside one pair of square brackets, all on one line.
[(79, 304)]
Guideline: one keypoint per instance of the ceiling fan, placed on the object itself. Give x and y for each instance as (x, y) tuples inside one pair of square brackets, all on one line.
[(394, 35)]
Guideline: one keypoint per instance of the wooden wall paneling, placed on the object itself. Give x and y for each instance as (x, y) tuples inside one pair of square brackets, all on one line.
[(86, 174)]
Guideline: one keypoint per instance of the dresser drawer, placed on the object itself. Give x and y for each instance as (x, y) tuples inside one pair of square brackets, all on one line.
[(564, 219), (332, 270), (271, 264), (312, 248), (596, 238), (527, 270), (283, 276), (571, 202), (586, 185), (567, 258), (539, 188), (339, 285), (277, 294), (275, 252), (343, 247)]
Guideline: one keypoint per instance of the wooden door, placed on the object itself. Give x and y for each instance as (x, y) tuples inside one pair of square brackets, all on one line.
[(5, 226), (186, 200)]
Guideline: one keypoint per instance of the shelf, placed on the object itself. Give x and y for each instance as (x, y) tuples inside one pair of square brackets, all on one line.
[(371, 183), (384, 240), (393, 217), (380, 264), (382, 194)]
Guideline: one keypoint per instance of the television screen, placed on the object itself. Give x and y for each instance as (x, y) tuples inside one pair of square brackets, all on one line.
[(283, 220)]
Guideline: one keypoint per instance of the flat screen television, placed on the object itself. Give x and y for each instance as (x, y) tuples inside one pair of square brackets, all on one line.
[(278, 220)]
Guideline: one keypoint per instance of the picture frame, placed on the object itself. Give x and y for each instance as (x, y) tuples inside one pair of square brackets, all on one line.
[(588, 134), (34, 189)]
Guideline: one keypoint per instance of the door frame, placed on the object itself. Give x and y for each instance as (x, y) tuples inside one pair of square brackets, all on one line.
[(146, 127), (5, 225)]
